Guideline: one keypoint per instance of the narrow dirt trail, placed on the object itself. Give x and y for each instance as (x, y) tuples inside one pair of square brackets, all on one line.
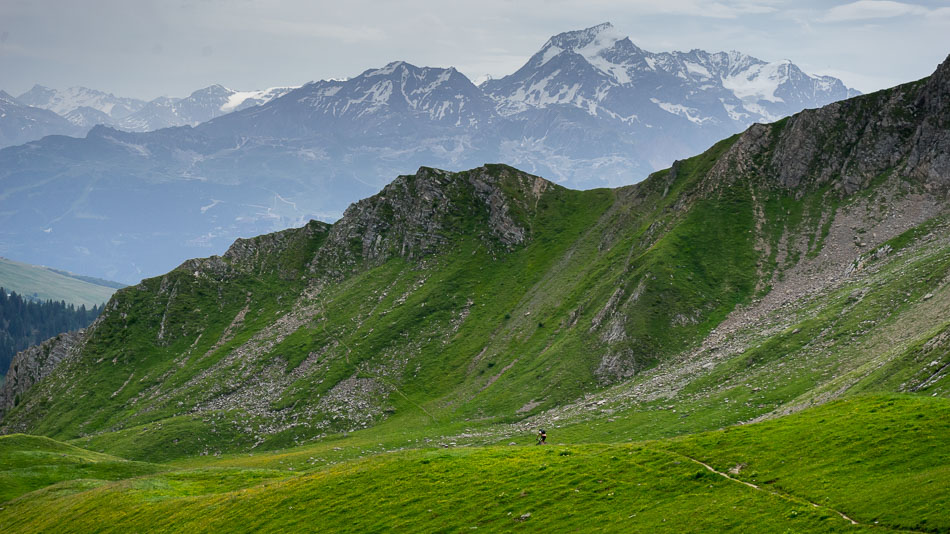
[(790, 498), (777, 494)]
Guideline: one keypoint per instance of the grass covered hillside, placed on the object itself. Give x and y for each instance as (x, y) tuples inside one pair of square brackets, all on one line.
[(31, 463), (779, 269), (793, 276), (471, 304), (43, 283)]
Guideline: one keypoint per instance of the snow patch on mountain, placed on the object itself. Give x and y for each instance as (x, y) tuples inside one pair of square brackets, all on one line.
[(758, 82), (602, 72), (238, 99), (64, 101), (549, 53), (688, 113), (385, 71), (699, 70)]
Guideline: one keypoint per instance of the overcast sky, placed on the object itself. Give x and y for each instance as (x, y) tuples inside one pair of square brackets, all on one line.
[(149, 48)]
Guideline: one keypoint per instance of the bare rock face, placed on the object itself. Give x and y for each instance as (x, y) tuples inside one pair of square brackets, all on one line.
[(415, 215), (35, 363), (928, 157), (905, 130)]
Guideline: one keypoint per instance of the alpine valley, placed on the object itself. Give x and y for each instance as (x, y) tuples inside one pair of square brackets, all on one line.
[(589, 109), (755, 339)]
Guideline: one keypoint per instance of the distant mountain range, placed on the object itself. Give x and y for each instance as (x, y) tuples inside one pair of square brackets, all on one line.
[(84, 108), (20, 123), (590, 109)]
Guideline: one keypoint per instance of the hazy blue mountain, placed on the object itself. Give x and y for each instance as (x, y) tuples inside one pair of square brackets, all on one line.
[(66, 101), (20, 123), (200, 106), (590, 109), (85, 108), (87, 117)]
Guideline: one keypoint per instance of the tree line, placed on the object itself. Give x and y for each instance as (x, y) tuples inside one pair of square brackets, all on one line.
[(24, 322)]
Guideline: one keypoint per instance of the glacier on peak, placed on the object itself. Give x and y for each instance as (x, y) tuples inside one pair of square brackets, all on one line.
[(758, 82), (237, 99)]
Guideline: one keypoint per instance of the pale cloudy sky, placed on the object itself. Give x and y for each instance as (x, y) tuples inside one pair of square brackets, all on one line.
[(148, 48)]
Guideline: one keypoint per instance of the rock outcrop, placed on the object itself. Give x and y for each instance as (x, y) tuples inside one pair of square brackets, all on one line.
[(416, 215), (850, 143), (35, 363)]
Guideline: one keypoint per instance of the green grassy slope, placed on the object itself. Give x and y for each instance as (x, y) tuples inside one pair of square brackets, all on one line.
[(233, 354), (33, 281), (880, 461), (881, 330), (28, 463), (474, 332)]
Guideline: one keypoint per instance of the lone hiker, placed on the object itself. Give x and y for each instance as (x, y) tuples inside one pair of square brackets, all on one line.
[(542, 437)]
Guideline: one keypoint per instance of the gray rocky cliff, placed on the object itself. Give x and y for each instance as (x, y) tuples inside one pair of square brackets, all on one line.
[(35, 363), (415, 215), (848, 144)]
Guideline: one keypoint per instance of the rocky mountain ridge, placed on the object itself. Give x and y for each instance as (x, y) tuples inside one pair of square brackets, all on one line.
[(34, 364), (20, 123), (85, 108)]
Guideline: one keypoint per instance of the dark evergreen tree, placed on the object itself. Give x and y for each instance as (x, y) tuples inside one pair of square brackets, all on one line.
[(25, 322)]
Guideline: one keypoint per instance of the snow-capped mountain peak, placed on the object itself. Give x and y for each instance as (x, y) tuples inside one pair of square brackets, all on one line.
[(438, 94), (589, 40), (65, 101), (759, 81), (392, 101), (602, 72), (602, 46)]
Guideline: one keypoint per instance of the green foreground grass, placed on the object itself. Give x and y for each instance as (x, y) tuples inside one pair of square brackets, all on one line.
[(33, 462), (883, 461)]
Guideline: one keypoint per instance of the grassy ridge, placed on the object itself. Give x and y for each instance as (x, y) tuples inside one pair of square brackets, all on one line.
[(42, 283), (882, 461), (474, 334), (610, 283)]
